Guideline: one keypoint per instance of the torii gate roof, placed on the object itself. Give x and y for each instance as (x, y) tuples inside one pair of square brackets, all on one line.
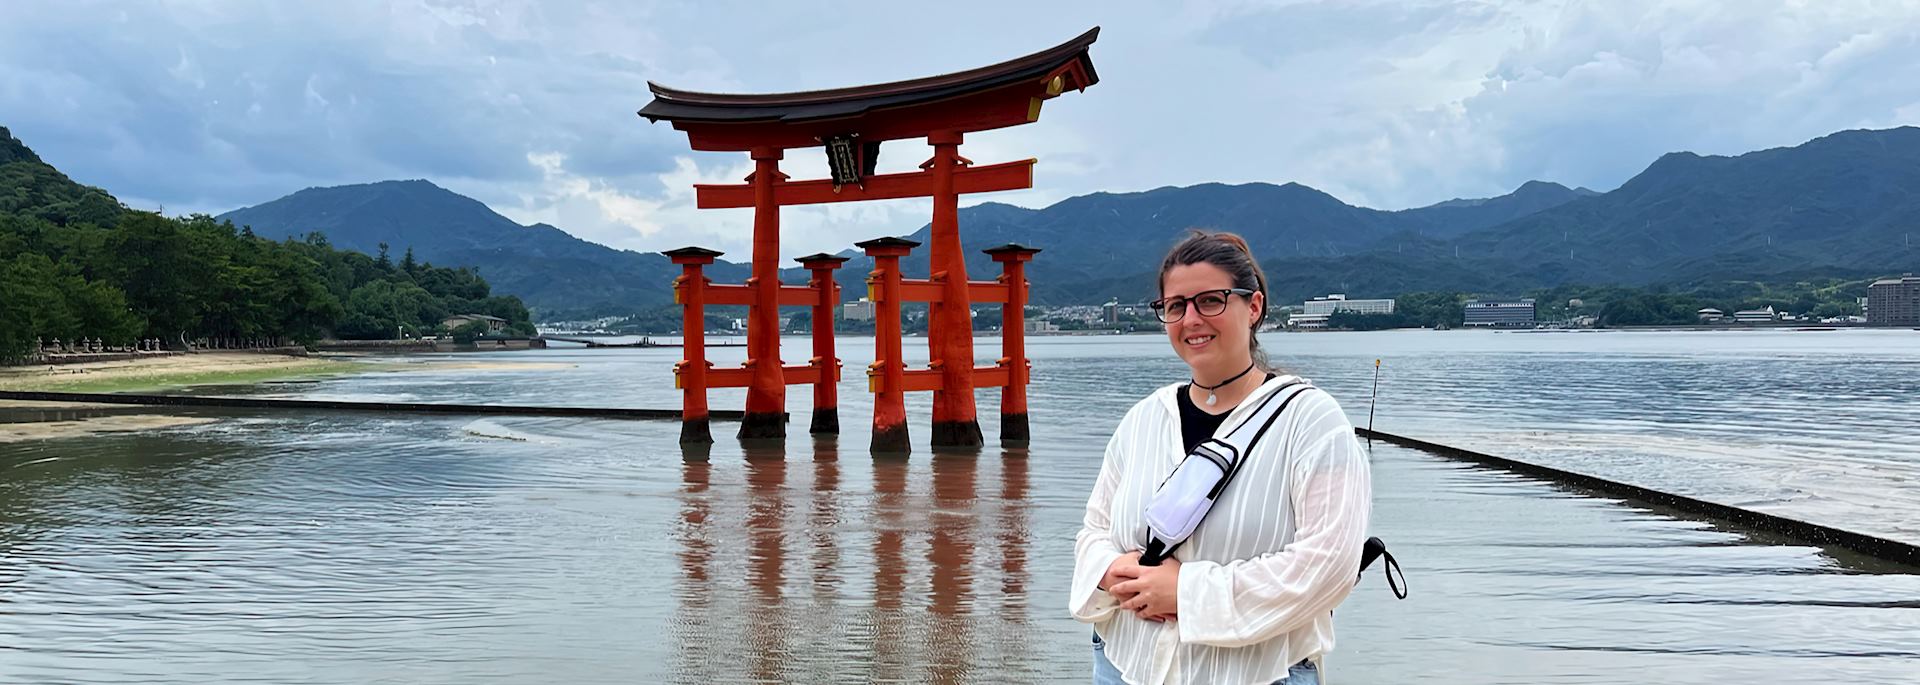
[(977, 99)]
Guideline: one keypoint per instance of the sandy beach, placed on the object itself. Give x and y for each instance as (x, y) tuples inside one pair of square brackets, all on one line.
[(23, 421), (203, 368)]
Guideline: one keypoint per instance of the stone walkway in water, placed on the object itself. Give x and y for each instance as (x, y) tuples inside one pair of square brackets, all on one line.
[(1519, 581)]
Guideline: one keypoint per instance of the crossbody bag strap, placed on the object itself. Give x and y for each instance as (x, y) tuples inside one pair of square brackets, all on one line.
[(1246, 448), (1242, 448)]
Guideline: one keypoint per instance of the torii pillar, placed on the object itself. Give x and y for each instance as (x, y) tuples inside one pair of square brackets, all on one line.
[(826, 396)]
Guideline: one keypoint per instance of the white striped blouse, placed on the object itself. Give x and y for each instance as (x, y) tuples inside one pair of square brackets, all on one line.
[(1260, 577)]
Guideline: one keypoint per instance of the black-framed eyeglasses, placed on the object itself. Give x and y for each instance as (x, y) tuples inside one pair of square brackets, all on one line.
[(1210, 303)]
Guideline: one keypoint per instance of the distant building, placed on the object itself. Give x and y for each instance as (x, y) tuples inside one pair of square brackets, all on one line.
[(1894, 302), (1762, 315), (1492, 313), (1110, 312), (1711, 315), (1576, 303), (494, 324), (1315, 312), (1041, 326), (857, 311)]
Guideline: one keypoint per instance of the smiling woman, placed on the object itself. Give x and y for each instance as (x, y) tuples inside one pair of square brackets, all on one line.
[(1249, 595)]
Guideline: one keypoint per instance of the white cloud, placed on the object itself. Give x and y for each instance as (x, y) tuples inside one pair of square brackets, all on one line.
[(529, 106), (562, 197)]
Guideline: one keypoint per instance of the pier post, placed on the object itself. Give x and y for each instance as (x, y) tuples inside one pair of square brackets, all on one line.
[(886, 377), (1013, 259), (826, 395), (690, 374)]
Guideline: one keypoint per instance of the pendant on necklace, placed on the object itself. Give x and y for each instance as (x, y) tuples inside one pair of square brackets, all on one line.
[(1210, 398)]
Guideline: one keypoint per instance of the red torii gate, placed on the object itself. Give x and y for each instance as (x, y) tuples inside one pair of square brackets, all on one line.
[(851, 123)]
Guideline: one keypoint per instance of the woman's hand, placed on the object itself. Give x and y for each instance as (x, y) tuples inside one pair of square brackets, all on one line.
[(1155, 594), (1123, 569)]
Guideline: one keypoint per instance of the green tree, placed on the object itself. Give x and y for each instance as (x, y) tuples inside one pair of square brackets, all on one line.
[(800, 322), (154, 263), (382, 309), (74, 263), (470, 331), (1355, 321)]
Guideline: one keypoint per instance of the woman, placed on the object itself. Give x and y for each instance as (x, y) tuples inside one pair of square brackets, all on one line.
[(1249, 597)]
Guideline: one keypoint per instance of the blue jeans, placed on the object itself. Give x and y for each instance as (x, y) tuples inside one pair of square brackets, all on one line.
[(1105, 673)]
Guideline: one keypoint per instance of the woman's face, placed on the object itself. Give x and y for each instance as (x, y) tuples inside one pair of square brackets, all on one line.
[(1211, 345)]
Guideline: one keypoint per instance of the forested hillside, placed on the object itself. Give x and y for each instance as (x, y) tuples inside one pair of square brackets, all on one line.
[(76, 264)]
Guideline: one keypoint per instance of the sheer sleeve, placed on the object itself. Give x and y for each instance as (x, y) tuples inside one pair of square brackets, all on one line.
[(1250, 601), (1094, 549)]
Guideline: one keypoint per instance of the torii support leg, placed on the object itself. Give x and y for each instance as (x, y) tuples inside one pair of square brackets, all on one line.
[(826, 396), (886, 378), (690, 375), (950, 333), (1013, 342), (767, 393)]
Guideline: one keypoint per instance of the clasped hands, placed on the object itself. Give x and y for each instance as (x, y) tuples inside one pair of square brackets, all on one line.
[(1150, 592)]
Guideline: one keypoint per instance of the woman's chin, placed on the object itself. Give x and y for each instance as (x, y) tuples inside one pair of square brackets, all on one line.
[(1197, 358)]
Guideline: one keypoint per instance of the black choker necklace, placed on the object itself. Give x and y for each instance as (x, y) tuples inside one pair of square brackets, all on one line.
[(1211, 399)]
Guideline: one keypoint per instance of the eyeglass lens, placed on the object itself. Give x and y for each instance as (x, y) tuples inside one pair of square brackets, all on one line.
[(1210, 304)]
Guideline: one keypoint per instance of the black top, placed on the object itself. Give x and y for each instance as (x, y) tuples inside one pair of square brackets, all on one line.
[(1196, 425)]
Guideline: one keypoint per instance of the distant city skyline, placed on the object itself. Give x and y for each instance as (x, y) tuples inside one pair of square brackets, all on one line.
[(529, 107)]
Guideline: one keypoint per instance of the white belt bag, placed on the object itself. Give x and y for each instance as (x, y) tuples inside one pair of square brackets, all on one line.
[(1185, 497)]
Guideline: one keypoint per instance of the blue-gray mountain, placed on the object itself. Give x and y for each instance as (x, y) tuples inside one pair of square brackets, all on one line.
[(556, 274), (1846, 204)]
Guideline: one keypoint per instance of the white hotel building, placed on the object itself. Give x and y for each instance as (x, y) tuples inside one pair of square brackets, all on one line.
[(1315, 312)]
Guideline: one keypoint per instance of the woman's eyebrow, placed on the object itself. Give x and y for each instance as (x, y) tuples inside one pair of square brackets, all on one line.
[(1196, 293)]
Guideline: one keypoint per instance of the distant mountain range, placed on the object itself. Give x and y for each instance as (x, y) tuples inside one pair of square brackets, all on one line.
[(556, 274), (1846, 204)]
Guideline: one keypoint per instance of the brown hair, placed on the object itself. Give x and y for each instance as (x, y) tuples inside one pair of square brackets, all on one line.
[(1228, 252)]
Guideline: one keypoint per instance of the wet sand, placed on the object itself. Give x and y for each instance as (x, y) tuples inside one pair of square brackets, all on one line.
[(166, 372), (91, 425), (25, 421)]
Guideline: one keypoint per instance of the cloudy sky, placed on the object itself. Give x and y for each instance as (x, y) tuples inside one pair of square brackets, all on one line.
[(529, 106)]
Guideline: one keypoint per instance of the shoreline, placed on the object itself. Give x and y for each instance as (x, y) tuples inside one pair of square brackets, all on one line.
[(170, 372), (22, 421)]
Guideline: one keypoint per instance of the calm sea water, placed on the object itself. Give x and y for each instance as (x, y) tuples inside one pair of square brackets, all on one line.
[(342, 547)]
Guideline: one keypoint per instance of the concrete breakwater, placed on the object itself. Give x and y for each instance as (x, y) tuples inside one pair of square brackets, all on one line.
[(337, 405), (1812, 533), (415, 346)]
